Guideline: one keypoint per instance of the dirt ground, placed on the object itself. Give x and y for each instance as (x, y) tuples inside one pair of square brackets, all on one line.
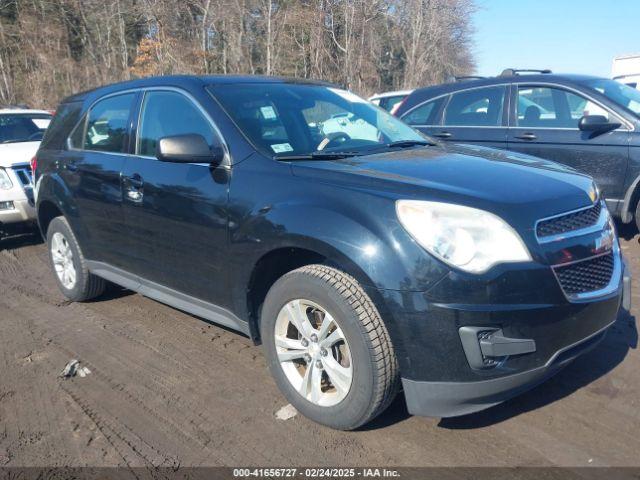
[(168, 389)]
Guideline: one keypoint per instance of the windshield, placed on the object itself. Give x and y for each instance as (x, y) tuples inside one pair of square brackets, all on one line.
[(618, 92), (23, 127), (285, 120)]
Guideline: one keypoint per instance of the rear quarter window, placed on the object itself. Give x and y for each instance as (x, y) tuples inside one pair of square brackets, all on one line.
[(65, 118)]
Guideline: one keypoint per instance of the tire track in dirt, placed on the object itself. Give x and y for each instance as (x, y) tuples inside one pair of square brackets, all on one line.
[(170, 389), (178, 349)]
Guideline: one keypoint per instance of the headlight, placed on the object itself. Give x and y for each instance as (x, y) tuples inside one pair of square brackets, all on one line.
[(464, 237), (5, 181)]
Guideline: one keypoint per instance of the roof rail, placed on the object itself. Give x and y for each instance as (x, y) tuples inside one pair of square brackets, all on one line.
[(462, 78), (512, 72)]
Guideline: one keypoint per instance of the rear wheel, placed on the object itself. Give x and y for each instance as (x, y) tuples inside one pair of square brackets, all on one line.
[(328, 348), (69, 266), (636, 217)]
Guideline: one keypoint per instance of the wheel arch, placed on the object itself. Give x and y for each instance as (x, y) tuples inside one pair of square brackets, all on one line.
[(47, 211), (631, 199), (53, 197), (285, 258)]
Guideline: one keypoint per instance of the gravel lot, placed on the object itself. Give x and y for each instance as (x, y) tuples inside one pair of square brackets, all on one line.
[(168, 389)]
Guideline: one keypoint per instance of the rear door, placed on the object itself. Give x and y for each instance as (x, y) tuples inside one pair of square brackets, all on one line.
[(176, 213), (476, 116), (544, 123), (91, 169)]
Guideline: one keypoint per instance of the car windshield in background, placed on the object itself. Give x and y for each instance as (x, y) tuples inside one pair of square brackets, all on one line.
[(21, 127), (618, 92), (288, 120)]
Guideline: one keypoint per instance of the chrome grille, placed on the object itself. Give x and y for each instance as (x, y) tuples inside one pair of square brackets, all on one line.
[(586, 276), (25, 175), (570, 222)]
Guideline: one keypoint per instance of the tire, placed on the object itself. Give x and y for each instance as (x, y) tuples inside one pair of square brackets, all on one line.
[(85, 285), (636, 216), (364, 347)]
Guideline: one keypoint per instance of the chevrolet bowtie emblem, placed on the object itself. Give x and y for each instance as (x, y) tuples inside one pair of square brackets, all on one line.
[(604, 242), (593, 194)]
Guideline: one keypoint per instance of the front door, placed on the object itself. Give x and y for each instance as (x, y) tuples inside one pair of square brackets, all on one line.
[(176, 213), (544, 123)]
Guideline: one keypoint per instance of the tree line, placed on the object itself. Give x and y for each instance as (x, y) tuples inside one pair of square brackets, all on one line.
[(52, 48)]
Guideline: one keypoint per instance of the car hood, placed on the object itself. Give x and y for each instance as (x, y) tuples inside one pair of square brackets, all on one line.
[(519, 188), (17, 153)]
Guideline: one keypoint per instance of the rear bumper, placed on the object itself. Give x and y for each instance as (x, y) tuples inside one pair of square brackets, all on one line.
[(451, 399)]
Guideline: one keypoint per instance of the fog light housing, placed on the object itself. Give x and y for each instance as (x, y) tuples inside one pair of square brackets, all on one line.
[(6, 206), (487, 347)]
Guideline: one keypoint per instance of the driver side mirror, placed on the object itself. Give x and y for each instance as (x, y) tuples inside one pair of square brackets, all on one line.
[(190, 148), (597, 124)]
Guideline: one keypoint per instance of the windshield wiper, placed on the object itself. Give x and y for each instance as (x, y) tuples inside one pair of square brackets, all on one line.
[(318, 156), (409, 143)]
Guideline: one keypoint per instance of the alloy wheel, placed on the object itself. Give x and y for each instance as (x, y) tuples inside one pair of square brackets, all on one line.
[(313, 352), (62, 257)]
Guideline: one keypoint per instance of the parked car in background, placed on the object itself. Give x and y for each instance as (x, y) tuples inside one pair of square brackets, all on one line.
[(466, 274), (626, 69), (589, 123), (20, 133), (390, 101)]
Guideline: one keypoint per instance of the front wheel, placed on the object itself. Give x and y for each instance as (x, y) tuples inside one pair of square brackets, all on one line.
[(327, 347)]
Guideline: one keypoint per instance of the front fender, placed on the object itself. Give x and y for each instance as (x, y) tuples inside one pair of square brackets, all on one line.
[(377, 252)]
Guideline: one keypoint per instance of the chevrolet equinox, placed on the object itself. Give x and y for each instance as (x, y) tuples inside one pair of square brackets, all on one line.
[(361, 254)]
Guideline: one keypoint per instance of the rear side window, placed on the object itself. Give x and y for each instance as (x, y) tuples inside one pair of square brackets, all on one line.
[(165, 114), (65, 118), (107, 124), (425, 114), (480, 107)]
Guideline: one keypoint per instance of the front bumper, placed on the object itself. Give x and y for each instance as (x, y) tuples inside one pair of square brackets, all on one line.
[(438, 373), (22, 211), (452, 399)]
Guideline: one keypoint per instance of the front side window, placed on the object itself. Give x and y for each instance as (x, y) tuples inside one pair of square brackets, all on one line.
[(618, 92), (548, 107), (480, 107), (424, 114), (23, 127), (166, 114), (107, 124), (284, 119)]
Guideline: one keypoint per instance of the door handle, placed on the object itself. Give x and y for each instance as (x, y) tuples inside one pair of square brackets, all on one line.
[(135, 181), (527, 136), (442, 134), (134, 188)]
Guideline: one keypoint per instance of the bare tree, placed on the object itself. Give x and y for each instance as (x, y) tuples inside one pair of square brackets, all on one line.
[(51, 48)]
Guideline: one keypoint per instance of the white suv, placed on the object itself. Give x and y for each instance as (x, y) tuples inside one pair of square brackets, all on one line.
[(21, 131)]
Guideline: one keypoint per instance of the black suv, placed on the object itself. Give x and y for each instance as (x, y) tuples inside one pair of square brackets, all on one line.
[(591, 124), (355, 250)]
